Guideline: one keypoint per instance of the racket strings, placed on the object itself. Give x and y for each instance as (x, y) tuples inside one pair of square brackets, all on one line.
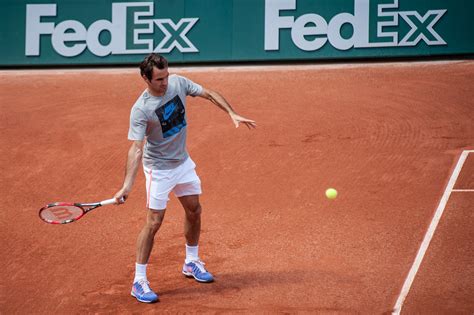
[(61, 213)]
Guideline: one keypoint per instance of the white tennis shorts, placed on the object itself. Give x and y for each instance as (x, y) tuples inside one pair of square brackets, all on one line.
[(182, 180)]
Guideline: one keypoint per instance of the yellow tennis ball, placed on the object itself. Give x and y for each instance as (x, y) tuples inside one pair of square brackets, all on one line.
[(331, 193)]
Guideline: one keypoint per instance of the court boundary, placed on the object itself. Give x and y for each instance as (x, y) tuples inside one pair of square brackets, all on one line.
[(431, 230), (236, 68)]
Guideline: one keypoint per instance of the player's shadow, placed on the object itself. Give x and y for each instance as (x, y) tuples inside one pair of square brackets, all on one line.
[(236, 281)]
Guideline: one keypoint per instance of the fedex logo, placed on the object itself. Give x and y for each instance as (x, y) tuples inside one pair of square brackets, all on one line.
[(321, 31), (70, 38)]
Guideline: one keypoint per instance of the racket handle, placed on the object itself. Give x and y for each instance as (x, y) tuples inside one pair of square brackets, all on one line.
[(111, 201)]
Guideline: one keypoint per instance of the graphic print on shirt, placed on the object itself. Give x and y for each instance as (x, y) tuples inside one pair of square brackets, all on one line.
[(171, 117)]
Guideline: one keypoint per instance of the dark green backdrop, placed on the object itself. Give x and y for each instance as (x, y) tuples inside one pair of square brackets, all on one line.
[(234, 30)]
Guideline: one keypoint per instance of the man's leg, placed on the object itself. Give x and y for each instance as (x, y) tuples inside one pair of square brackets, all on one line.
[(193, 266), (145, 241), (192, 220), (147, 235)]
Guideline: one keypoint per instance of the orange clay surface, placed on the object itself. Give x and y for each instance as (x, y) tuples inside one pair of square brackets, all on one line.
[(386, 136)]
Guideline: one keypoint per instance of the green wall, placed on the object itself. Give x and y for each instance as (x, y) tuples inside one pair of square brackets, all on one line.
[(122, 32)]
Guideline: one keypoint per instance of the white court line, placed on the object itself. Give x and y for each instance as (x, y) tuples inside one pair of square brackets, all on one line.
[(463, 190), (429, 234)]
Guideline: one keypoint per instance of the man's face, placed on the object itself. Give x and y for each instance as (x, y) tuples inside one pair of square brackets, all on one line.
[(159, 81)]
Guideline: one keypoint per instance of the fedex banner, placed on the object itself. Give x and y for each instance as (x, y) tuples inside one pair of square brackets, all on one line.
[(387, 20), (79, 37), (122, 32)]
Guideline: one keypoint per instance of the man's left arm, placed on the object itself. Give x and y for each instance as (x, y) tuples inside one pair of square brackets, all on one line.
[(220, 102)]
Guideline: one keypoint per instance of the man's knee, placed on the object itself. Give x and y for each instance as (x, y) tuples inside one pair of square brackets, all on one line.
[(154, 220), (194, 211)]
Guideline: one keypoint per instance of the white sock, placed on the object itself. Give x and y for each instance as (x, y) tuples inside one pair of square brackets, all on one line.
[(140, 272), (192, 253)]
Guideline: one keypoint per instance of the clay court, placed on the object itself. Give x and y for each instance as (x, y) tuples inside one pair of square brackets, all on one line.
[(388, 136)]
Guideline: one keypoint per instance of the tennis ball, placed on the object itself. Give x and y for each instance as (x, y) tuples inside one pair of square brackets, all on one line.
[(331, 193)]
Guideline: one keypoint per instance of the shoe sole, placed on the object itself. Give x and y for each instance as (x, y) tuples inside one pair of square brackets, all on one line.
[(190, 275), (143, 301)]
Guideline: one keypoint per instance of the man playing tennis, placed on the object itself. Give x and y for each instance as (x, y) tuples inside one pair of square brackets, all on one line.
[(158, 134)]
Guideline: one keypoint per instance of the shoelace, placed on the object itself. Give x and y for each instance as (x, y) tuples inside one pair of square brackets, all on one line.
[(200, 265), (144, 284)]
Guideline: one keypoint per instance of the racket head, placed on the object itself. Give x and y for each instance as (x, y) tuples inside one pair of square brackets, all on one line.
[(61, 213)]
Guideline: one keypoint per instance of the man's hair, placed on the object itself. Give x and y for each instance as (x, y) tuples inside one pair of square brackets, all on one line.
[(150, 61)]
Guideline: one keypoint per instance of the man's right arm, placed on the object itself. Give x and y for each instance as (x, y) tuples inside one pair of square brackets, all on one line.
[(133, 162)]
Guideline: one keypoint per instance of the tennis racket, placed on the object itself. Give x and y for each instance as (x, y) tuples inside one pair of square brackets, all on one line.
[(67, 212)]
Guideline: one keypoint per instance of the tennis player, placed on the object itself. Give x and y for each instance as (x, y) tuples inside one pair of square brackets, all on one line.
[(158, 134)]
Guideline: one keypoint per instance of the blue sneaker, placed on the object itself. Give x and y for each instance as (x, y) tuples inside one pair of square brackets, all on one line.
[(196, 269), (142, 292)]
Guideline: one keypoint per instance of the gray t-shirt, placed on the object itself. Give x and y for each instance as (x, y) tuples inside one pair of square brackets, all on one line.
[(162, 120)]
